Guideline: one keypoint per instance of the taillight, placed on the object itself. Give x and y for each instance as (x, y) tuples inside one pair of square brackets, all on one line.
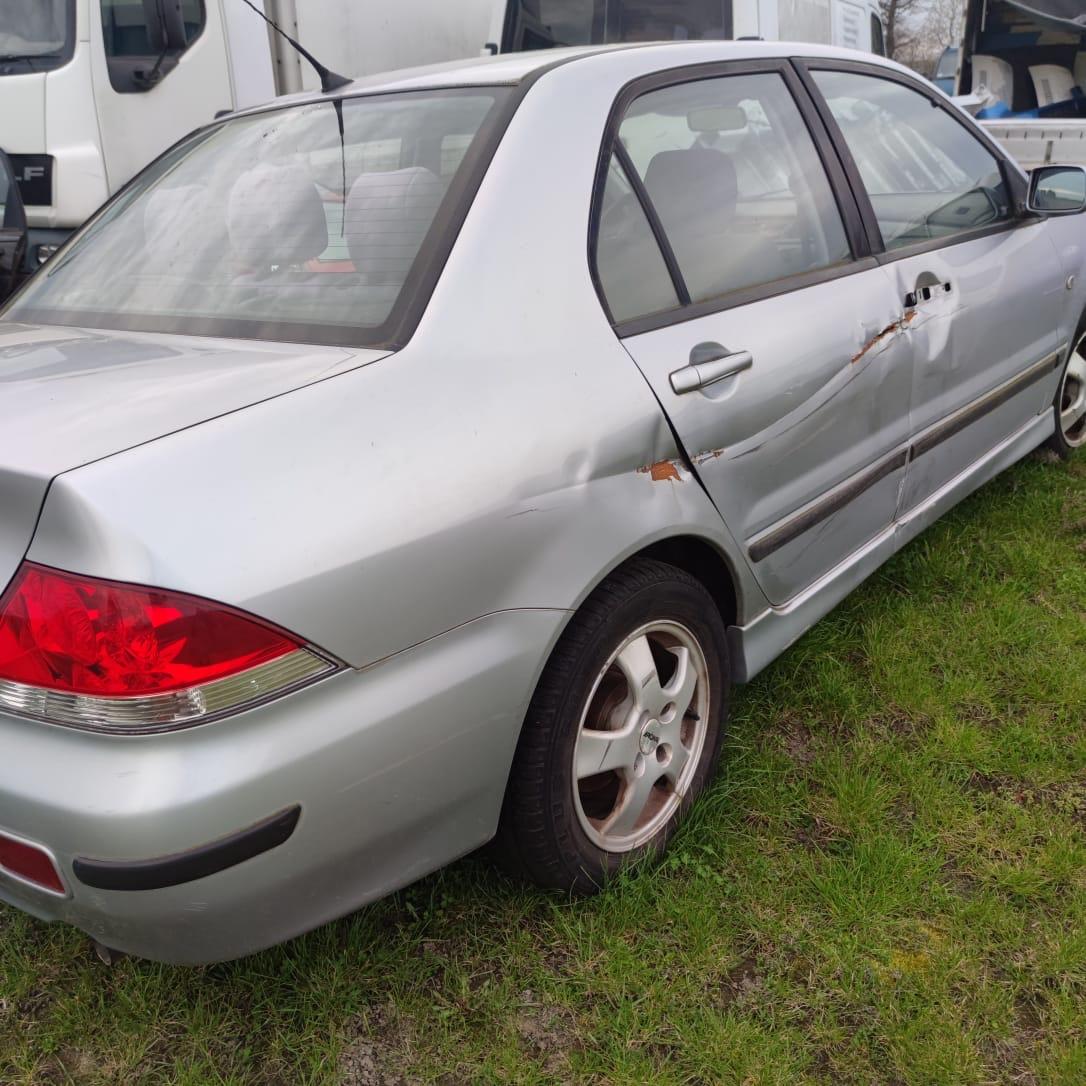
[(119, 657)]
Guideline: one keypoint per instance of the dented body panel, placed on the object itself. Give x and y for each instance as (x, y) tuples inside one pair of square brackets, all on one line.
[(961, 351), (826, 396)]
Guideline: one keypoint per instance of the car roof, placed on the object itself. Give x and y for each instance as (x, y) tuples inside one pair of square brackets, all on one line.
[(513, 68)]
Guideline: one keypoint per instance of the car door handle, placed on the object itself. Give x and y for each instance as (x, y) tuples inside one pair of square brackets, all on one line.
[(926, 293), (709, 363)]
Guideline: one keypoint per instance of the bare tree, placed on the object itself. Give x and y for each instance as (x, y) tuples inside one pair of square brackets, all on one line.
[(932, 25), (896, 15)]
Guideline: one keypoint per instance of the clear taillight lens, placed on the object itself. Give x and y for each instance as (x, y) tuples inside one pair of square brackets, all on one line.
[(118, 657)]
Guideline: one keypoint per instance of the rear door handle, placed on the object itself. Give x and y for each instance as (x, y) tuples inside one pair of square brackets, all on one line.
[(709, 363)]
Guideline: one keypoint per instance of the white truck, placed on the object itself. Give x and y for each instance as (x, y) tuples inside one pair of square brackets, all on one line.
[(1022, 73), (93, 90)]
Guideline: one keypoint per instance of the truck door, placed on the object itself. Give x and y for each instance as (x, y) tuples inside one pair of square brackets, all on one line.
[(12, 229), (149, 92)]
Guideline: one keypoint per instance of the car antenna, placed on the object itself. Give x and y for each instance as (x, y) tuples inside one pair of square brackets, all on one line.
[(330, 80)]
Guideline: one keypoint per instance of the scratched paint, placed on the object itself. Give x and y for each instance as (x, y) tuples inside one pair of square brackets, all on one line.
[(663, 471), (709, 454), (892, 329)]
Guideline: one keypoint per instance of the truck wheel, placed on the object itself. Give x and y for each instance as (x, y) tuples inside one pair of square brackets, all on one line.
[(1070, 403), (622, 733)]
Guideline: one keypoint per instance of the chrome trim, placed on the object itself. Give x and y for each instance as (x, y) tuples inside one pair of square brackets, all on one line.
[(155, 713)]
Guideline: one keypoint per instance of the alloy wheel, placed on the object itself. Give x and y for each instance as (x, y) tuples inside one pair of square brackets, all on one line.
[(641, 736), (1072, 399)]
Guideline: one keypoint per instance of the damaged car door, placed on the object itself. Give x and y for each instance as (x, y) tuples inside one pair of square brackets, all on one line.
[(732, 260), (980, 285)]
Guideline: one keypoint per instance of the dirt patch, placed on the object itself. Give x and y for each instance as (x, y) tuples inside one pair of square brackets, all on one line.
[(548, 1032), (1067, 798), (377, 1045), (799, 744), (818, 835), (742, 982)]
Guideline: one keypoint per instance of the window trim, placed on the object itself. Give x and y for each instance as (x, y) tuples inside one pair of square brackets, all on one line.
[(1012, 177), (854, 227)]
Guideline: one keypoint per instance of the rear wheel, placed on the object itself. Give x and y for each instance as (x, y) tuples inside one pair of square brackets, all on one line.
[(623, 731), (1070, 403)]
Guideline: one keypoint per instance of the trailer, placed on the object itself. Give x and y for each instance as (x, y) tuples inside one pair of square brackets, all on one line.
[(92, 90)]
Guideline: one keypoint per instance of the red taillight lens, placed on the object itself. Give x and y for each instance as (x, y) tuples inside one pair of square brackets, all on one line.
[(83, 636), (29, 863)]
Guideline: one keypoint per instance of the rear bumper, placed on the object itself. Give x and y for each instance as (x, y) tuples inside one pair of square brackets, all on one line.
[(380, 776)]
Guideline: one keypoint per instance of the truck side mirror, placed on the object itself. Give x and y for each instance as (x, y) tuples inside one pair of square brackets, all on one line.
[(13, 232), (1057, 190), (165, 26)]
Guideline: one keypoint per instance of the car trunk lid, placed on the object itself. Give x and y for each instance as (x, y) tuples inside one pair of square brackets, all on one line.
[(70, 396)]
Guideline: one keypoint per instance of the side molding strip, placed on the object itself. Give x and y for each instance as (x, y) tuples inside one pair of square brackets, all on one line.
[(196, 863), (761, 547), (943, 431)]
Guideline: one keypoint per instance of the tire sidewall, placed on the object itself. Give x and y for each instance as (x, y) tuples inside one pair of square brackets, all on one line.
[(1057, 442), (677, 600)]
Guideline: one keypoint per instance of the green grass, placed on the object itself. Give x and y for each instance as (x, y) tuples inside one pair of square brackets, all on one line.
[(887, 884)]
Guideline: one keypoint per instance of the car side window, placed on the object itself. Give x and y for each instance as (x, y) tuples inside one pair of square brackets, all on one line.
[(631, 269), (926, 175), (135, 61), (736, 181)]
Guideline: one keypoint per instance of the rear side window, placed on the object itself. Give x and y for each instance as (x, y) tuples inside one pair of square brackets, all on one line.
[(631, 269), (927, 176), (736, 181)]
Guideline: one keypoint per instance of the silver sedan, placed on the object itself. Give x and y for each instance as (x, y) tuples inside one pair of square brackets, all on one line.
[(389, 470)]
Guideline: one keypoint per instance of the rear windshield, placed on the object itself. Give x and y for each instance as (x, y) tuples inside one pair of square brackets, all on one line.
[(311, 223)]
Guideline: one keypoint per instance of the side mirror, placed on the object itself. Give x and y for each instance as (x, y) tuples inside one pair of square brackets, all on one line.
[(165, 26), (1057, 190), (13, 232)]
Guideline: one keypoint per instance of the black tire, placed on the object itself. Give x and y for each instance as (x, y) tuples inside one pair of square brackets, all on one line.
[(541, 836), (1059, 442)]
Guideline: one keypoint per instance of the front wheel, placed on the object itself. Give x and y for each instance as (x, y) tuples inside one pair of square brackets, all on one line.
[(1070, 404), (623, 731)]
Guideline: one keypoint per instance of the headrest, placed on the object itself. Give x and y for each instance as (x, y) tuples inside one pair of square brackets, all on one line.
[(275, 216), (692, 189), (387, 217)]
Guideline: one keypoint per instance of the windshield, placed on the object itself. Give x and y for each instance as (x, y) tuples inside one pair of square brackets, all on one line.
[(36, 30), (540, 24), (320, 223)]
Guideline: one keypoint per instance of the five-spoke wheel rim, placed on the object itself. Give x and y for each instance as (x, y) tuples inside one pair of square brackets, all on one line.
[(1072, 401), (640, 737)]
